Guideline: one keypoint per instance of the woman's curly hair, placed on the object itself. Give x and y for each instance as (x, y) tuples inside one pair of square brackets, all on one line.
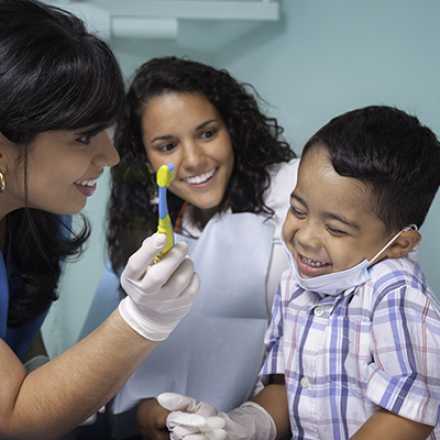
[(256, 141)]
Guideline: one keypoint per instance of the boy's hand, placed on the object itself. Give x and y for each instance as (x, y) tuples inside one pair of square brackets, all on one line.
[(151, 419)]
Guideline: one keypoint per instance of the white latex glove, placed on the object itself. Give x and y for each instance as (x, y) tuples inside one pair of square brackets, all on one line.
[(159, 295), (192, 420), (190, 417)]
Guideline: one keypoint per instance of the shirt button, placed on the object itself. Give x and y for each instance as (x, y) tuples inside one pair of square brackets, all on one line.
[(321, 312), (304, 382)]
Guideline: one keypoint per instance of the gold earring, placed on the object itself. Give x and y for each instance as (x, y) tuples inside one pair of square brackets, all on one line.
[(2, 181)]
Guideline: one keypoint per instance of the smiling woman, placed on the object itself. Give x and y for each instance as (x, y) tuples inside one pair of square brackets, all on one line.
[(62, 189), (48, 97), (234, 172), (187, 130), (60, 87)]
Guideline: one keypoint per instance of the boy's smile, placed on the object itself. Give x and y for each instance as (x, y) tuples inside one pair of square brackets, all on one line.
[(310, 267), (331, 225)]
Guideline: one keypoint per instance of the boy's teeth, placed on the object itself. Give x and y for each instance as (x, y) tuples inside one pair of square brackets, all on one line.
[(313, 263), (201, 178)]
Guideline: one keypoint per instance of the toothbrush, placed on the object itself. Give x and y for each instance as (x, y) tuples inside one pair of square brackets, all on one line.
[(164, 176)]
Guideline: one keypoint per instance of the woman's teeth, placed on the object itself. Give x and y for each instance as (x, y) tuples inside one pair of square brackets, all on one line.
[(87, 182), (312, 263), (201, 178)]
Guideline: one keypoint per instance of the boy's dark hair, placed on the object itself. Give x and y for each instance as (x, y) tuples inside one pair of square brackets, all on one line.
[(390, 151)]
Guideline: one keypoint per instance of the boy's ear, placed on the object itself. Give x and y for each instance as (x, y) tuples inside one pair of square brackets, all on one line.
[(404, 244)]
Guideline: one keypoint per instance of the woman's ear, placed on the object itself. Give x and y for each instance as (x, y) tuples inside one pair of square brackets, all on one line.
[(3, 146), (404, 244), (3, 142), (8, 151)]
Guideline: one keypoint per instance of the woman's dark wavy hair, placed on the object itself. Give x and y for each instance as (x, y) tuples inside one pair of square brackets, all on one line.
[(54, 75), (256, 141)]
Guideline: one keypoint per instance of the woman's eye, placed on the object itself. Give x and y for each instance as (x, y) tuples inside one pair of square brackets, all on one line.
[(84, 140), (335, 231), (166, 148), (208, 134), (297, 212)]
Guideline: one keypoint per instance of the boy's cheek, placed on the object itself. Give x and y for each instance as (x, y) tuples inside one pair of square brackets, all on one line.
[(286, 231)]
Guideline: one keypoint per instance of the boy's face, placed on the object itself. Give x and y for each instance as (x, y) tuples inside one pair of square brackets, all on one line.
[(330, 225)]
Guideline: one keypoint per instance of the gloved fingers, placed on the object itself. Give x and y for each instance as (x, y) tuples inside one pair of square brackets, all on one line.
[(215, 434), (218, 434), (192, 289), (176, 402), (181, 304), (187, 426), (189, 420), (180, 279), (196, 437), (179, 402), (182, 432), (215, 423), (205, 409), (158, 274), (138, 262)]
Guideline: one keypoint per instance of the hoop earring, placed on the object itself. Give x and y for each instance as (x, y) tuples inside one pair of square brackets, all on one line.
[(2, 181)]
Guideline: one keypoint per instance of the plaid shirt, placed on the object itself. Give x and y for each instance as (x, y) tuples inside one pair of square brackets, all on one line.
[(376, 345)]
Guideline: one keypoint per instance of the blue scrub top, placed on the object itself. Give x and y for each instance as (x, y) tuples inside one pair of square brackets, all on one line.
[(18, 338)]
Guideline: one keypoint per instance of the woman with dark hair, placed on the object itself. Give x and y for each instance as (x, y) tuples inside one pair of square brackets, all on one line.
[(233, 176), (60, 88)]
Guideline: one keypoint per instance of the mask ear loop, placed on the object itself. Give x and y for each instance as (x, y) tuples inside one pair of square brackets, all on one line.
[(412, 227)]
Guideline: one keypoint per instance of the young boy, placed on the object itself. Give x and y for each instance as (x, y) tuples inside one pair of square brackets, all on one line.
[(353, 349)]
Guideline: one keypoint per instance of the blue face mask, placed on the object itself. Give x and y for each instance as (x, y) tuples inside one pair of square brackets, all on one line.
[(337, 282)]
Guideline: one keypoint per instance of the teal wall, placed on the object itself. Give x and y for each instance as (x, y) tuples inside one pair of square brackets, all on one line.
[(322, 59), (329, 57)]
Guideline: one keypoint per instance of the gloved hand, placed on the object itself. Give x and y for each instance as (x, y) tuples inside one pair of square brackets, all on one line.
[(190, 417), (159, 295), (192, 420)]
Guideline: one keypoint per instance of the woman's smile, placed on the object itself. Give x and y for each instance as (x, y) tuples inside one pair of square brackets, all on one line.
[(202, 180)]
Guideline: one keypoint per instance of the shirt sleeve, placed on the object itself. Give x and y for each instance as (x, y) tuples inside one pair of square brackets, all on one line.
[(404, 376), (274, 359)]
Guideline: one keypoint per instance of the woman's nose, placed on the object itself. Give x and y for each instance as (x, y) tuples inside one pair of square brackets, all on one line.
[(106, 153), (193, 155)]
